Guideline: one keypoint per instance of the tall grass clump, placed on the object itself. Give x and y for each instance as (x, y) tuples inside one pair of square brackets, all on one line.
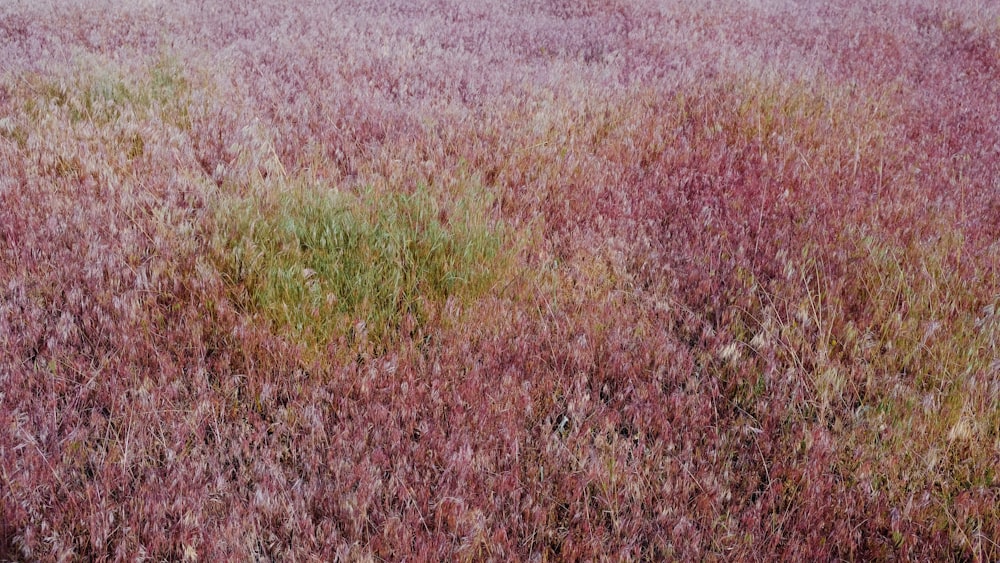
[(324, 264)]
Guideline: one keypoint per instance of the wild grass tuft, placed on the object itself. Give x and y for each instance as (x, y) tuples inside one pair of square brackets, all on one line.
[(324, 264), (103, 93)]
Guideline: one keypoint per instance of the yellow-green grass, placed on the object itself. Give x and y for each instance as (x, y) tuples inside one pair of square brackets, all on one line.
[(321, 264)]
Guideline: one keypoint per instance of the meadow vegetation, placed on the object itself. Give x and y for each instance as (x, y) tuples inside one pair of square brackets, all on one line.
[(524, 280)]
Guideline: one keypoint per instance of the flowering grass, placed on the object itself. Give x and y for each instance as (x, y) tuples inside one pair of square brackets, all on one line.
[(499, 281)]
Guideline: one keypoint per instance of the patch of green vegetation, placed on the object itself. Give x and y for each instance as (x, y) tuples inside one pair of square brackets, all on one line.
[(318, 263), (102, 93), (10, 129)]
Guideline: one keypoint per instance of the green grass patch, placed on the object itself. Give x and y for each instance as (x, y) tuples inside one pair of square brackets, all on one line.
[(102, 93), (318, 263)]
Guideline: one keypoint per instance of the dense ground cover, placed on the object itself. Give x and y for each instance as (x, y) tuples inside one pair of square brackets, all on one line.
[(533, 280)]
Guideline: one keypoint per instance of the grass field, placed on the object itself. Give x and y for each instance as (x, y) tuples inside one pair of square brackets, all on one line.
[(523, 280)]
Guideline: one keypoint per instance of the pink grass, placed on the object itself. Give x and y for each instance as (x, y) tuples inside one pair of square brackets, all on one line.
[(747, 304)]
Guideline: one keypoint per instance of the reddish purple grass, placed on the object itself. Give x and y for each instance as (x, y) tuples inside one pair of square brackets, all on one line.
[(748, 307)]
